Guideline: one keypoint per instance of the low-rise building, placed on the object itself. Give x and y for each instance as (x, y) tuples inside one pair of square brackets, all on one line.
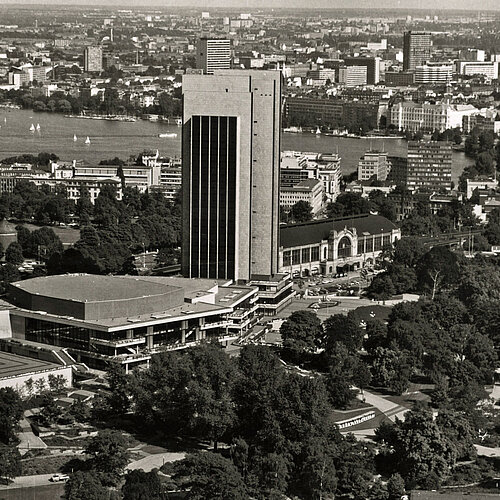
[(127, 319), (481, 184), (414, 116), (330, 246), (308, 190)]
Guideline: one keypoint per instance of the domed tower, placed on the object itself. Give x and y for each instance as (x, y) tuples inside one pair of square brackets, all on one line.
[(8, 234)]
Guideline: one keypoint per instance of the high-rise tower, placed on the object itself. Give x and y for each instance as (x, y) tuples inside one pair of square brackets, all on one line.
[(92, 59), (230, 179), (416, 49), (213, 54)]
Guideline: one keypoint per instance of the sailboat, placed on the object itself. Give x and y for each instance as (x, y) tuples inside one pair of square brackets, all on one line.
[(75, 138), (32, 128), (5, 119), (87, 140), (38, 127), (318, 131)]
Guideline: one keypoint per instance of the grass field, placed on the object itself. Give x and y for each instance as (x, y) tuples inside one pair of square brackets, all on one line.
[(46, 492)]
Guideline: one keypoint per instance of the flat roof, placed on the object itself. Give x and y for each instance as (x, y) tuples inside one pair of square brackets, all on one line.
[(12, 365), (189, 285), (92, 287)]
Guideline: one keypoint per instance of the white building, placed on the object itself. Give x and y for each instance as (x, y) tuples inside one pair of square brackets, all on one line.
[(297, 166), (472, 68), (414, 116), (309, 190), (373, 164), (352, 76), (434, 73)]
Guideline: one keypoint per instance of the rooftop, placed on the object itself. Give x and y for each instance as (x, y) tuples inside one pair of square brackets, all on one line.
[(12, 365), (308, 233), (93, 288)]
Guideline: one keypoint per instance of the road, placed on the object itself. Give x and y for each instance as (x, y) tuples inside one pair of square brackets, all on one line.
[(28, 482)]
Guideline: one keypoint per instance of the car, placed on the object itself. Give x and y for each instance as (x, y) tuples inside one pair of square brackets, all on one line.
[(56, 478)]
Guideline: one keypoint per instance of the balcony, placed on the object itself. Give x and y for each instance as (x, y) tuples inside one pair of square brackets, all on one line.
[(219, 324), (120, 342)]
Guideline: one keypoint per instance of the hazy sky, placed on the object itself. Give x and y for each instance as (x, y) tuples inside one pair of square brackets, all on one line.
[(369, 4)]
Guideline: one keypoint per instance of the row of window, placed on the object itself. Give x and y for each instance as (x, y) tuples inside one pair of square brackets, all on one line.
[(366, 244)]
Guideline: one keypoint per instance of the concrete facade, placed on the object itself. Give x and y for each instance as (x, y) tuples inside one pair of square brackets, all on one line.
[(253, 98)]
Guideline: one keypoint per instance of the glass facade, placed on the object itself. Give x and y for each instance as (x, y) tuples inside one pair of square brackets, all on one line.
[(57, 334), (213, 199)]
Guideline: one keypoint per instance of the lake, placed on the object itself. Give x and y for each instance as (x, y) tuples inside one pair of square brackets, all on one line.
[(109, 139)]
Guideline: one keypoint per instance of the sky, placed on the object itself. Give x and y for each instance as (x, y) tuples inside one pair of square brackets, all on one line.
[(339, 4)]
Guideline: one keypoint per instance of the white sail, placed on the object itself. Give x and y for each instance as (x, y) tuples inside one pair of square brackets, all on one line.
[(318, 131), (87, 140), (75, 138), (32, 128), (38, 126)]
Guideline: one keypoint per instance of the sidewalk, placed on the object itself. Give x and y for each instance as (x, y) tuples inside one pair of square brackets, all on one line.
[(390, 409), (155, 461)]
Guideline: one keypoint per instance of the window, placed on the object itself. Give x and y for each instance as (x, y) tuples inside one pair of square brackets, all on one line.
[(295, 257), (287, 258), (344, 248), (306, 255), (314, 254)]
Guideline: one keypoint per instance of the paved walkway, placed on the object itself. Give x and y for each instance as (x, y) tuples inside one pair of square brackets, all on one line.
[(487, 452), (387, 407), (28, 440), (155, 461)]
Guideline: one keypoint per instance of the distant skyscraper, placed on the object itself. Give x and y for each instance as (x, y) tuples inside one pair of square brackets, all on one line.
[(230, 185), (92, 59), (213, 54), (416, 49)]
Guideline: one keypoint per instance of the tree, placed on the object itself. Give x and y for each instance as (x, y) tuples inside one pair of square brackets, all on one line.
[(421, 448), (10, 462), (301, 334), (56, 382), (209, 475), (140, 485), (301, 211), (11, 411), (348, 204), (395, 487), (436, 269), (345, 329), (209, 393), (391, 368), (14, 254), (381, 287), (189, 392), (84, 486), (108, 451), (317, 475), (485, 163), (407, 251), (120, 391)]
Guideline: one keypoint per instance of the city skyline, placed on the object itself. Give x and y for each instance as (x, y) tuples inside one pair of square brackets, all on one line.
[(419, 5)]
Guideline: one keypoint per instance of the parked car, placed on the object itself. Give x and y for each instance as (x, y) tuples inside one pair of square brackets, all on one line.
[(56, 478)]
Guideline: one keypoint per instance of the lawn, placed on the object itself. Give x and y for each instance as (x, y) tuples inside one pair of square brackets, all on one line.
[(46, 464), (45, 492)]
